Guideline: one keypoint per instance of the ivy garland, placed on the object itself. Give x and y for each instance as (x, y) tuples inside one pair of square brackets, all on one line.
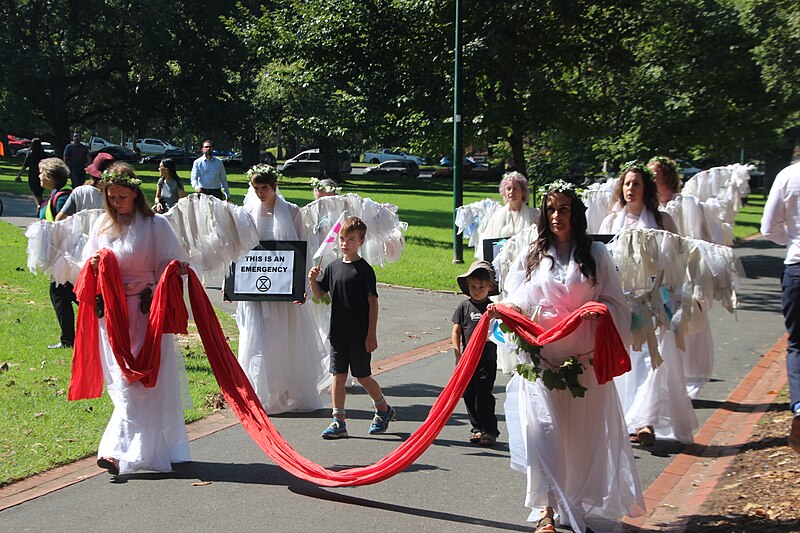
[(554, 378)]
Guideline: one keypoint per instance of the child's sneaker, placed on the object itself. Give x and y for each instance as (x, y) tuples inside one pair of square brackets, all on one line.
[(337, 430), (381, 421)]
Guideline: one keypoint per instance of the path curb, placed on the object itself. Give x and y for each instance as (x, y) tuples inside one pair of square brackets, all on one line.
[(684, 486)]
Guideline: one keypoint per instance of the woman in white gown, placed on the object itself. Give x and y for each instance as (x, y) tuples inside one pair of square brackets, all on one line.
[(654, 400), (514, 216), (698, 357), (146, 430), (575, 451), (280, 348)]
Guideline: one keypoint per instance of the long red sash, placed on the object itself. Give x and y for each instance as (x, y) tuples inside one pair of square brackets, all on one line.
[(167, 315), (610, 357)]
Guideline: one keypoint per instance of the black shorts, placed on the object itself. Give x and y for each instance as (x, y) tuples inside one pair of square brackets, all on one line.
[(352, 356)]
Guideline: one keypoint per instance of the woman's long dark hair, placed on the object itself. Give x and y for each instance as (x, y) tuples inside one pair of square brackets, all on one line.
[(581, 240), (650, 197), (169, 164)]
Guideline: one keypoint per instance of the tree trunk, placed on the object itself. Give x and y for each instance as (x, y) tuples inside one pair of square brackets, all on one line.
[(251, 152), (329, 160)]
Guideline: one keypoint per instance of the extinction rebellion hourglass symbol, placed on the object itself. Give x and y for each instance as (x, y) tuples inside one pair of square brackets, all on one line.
[(263, 284)]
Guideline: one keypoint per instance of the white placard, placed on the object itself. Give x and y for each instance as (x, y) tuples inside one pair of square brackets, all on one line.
[(265, 272)]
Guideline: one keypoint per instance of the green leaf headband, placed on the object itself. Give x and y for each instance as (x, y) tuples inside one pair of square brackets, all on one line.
[(263, 169), (635, 165), (559, 186), (111, 177), (664, 160)]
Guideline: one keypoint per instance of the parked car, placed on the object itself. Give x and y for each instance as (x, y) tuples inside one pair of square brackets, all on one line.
[(178, 155), (469, 171), (150, 146), (17, 143), (386, 154), (447, 161), (308, 162), (48, 150), (96, 144), (118, 153), (394, 168)]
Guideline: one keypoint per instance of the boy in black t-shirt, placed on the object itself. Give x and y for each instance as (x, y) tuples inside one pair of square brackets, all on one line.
[(353, 330), (478, 283)]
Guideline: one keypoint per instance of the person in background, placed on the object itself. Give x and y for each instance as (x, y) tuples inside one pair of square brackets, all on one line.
[(515, 215), (32, 158), (169, 188), (88, 195), (208, 174), (325, 187), (781, 224), (478, 283), (53, 175), (76, 156)]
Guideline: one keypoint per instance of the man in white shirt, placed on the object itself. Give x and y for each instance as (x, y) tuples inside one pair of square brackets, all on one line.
[(88, 195), (781, 224), (208, 174)]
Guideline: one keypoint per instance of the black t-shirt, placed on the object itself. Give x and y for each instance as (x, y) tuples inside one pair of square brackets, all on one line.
[(350, 286), (467, 315)]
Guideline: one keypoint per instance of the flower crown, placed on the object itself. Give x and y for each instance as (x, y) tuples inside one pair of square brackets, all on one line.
[(635, 165), (665, 161), (558, 186), (111, 177), (319, 185), (263, 169)]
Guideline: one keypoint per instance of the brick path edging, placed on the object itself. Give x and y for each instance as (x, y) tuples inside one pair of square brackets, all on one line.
[(683, 487)]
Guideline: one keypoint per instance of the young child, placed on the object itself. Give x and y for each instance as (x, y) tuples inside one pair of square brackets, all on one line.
[(353, 330), (478, 283)]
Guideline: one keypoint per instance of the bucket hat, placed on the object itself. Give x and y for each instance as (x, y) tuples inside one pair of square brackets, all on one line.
[(475, 266)]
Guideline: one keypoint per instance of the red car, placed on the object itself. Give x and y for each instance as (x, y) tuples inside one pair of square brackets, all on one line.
[(17, 143)]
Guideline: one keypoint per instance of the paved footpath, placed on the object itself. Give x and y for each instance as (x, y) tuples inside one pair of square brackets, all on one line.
[(454, 486)]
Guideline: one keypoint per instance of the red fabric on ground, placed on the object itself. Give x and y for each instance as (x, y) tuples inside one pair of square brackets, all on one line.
[(168, 314), (243, 400)]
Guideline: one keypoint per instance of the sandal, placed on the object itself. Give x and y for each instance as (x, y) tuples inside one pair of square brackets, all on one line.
[(487, 439), (645, 436), (110, 464), (546, 524), (475, 437)]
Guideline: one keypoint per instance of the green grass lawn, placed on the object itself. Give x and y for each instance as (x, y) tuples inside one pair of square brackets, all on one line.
[(40, 429)]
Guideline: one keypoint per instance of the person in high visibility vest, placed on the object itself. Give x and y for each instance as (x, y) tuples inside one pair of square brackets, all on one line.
[(54, 175)]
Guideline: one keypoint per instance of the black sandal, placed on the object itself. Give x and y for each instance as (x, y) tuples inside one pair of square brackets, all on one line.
[(110, 464)]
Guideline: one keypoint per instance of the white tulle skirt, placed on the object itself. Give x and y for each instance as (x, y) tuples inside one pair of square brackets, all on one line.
[(575, 452), (146, 431), (282, 354)]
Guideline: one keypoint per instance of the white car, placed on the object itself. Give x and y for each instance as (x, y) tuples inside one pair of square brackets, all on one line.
[(385, 154), (48, 150), (150, 146)]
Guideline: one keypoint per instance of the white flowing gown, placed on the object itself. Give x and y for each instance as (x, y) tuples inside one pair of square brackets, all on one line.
[(575, 451), (280, 348), (146, 430), (650, 396)]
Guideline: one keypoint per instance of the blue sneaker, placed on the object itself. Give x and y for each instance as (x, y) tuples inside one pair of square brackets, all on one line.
[(337, 430), (381, 421)]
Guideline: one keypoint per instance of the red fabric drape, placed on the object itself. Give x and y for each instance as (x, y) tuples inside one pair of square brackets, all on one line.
[(168, 314), (610, 355), (611, 358)]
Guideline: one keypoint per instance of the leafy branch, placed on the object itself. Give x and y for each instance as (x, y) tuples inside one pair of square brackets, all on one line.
[(564, 377)]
